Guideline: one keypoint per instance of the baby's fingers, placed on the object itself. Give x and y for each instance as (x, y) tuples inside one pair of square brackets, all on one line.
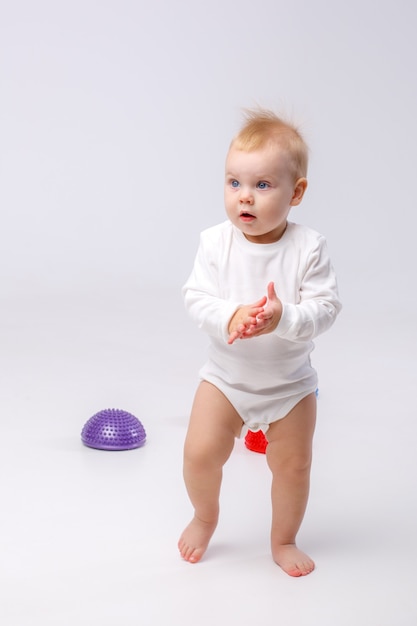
[(255, 313), (232, 337), (236, 333), (263, 316)]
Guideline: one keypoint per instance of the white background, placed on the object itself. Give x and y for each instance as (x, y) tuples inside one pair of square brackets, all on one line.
[(115, 121), (116, 116)]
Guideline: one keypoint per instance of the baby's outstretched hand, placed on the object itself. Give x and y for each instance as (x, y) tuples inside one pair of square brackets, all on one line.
[(244, 319)]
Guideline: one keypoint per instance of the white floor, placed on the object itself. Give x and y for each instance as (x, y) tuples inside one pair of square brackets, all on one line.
[(89, 537)]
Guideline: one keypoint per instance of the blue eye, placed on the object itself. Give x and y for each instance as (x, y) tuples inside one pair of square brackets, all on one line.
[(262, 185), (234, 184)]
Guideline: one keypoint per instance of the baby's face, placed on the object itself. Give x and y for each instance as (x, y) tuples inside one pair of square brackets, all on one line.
[(260, 191)]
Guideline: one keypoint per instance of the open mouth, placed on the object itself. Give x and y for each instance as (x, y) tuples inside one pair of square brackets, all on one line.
[(245, 216)]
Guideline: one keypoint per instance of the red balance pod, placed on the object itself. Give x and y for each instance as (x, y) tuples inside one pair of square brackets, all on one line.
[(256, 442)]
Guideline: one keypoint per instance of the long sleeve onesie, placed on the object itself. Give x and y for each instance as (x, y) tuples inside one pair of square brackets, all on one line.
[(263, 377)]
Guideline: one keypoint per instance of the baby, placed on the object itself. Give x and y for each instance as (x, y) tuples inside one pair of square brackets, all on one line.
[(262, 288)]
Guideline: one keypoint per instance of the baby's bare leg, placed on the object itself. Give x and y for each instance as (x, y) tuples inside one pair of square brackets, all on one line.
[(289, 457), (213, 426)]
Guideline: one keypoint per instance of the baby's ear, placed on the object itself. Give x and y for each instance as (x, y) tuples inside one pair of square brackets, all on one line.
[(299, 190)]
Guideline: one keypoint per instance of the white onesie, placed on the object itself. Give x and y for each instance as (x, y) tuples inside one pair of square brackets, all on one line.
[(266, 376)]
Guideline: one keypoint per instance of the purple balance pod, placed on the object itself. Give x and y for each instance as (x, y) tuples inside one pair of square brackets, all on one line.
[(113, 429)]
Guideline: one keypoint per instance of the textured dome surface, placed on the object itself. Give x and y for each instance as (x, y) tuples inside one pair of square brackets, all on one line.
[(113, 429)]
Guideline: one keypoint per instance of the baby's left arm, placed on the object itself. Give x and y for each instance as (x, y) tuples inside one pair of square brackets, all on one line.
[(319, 302), (316, 311)]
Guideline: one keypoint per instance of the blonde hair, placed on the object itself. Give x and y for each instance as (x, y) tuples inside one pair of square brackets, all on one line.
[(263, 127)]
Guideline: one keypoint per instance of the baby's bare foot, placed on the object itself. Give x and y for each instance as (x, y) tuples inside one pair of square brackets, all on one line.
[(195, 539), (292, 560)]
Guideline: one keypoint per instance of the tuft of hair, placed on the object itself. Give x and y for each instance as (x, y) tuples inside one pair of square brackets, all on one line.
[(263, 127)]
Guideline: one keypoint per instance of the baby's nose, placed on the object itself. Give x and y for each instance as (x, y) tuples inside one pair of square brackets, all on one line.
[(246, 197)]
